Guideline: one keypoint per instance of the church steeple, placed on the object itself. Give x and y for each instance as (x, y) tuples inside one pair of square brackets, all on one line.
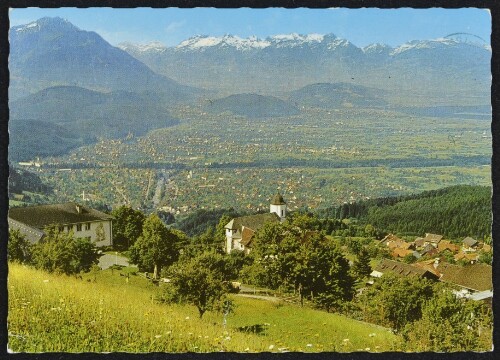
[(278, 206)]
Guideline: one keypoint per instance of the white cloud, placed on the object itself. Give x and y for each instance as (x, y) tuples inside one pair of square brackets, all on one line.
[(174, 26)]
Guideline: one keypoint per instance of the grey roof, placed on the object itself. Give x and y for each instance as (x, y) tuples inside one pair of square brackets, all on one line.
[(57, 214), (31, 234), (433, 238), (469, 241), (254, 222)]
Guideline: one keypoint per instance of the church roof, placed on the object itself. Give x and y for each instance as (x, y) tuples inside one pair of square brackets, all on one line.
[(56, 214), (278, 200), (246, 236), (253, 222)]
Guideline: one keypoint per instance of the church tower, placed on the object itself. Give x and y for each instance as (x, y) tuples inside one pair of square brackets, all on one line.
[(278, 206)]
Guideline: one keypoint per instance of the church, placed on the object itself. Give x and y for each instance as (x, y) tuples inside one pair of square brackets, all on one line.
[(240, 230)]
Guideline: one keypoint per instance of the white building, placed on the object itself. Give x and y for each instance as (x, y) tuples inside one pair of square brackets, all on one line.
[(83, 221), (240, 231), (278, 206)]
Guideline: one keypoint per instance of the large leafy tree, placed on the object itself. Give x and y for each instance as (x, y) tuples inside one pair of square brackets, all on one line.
[(157, 246), (61, 252), (127, 226), (396, 301), (202, 281), (292, 257), (18, 248)]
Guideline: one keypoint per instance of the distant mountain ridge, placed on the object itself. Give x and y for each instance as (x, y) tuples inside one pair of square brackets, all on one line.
[(69, 116), (278, 64), (252, 106)]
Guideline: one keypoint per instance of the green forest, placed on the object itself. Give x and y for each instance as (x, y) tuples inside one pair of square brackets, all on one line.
[(454, 212)]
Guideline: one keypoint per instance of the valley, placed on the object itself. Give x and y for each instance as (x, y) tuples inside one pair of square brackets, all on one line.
[(318, 158)]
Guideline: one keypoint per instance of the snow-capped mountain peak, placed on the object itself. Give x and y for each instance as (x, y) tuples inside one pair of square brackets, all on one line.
[(46, 22), (154, 46), (424, 44), (202, 42), (376, 48)]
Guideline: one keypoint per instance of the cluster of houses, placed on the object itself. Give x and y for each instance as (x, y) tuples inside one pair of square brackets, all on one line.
[(473, 281), (433, 245)]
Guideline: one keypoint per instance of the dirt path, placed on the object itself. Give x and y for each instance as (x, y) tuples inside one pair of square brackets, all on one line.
[(261, 297), (108, 260)]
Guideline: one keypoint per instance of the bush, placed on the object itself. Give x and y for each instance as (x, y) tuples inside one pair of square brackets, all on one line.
[(18, 248), (61, 252)]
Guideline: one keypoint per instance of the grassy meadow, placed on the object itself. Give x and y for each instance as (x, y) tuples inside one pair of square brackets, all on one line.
[(103, 312)]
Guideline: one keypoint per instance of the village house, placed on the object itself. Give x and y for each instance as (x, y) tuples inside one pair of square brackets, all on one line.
[(401, 269), (240, 230), (82, 221), (474, 278), (468, 257), (469, 244), (432, 239), (448, 245)]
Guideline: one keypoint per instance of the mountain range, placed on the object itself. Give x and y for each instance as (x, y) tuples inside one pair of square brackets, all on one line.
[(69, 86), (444, 69)]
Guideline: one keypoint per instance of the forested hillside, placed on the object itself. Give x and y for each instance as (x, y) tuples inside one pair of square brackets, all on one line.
[(455, 212)]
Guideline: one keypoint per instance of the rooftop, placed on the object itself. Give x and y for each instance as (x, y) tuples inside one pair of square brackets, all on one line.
[(57, 214), (402, 269), (253, 222), (476, 277), (278, 200)]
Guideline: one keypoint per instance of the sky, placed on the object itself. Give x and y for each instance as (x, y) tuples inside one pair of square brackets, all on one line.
[(360, 26)]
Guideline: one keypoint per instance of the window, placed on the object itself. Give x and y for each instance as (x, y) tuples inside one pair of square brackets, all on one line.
[(61, 228), (69, 228), (87, 226), (78, 227)]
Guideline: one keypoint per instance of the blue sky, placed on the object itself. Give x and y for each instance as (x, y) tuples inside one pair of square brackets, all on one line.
[(360, 26)]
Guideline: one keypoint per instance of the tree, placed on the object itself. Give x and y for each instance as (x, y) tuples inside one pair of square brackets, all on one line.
[(202, 281), (396, 301), (18, 248), (409, 259), (361, 267), (61, 252), (293, 257), (156, 247), (450, 324), (127, 226), (486, 257)]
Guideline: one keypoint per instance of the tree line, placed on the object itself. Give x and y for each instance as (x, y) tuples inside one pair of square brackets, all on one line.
[(454, 212)]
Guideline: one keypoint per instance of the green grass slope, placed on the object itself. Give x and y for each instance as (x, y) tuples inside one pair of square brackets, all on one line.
[(50, 313)]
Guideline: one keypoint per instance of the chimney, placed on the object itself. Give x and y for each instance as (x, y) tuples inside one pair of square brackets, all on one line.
[(436, 263), (78, 209)]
